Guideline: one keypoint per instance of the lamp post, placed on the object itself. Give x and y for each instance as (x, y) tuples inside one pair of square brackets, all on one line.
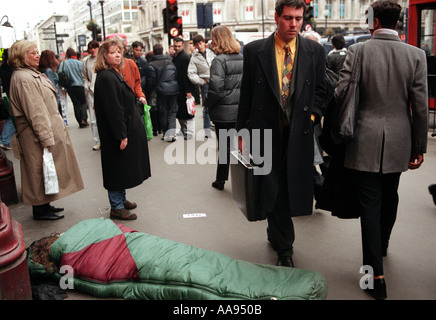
[(326, 15), (102, 18), (6, 24), (90, 16)]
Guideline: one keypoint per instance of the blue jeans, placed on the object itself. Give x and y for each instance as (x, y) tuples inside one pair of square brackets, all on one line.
[(117, 199), (206, 118), (7, 133)]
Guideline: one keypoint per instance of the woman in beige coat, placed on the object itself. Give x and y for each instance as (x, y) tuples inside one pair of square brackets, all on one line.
[(39, 125)]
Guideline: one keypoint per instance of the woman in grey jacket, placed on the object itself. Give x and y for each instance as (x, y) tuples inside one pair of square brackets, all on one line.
[(223, 95)]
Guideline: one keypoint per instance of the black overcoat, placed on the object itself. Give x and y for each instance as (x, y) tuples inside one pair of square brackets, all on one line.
[(260, 108), (118, 118)]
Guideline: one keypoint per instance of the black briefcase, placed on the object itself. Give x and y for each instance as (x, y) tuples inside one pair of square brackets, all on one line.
[(245, 187)]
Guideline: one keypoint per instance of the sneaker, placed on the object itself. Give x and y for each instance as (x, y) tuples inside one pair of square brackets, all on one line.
[(5, 146), (122, 214), (170, 139), (97, 147)]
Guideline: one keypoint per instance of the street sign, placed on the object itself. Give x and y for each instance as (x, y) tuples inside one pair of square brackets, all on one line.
[(204, 15), (82, 40)]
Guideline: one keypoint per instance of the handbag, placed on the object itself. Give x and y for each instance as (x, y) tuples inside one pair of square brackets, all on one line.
[(246, 186), (147, 122), (345, 114), (64, 80), (51, 183)]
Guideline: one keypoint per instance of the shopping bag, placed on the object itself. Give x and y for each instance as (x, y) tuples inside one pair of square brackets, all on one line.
[(51, 183), (147, 122), (190, 105)]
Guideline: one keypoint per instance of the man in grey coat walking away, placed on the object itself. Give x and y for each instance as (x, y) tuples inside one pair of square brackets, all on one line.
[(391, 131)]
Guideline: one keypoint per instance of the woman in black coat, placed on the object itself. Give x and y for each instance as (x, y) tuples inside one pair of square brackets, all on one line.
[(124, 149), (223, 94)]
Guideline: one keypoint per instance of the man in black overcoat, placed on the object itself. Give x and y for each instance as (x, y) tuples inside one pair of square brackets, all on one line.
[(287, 190)]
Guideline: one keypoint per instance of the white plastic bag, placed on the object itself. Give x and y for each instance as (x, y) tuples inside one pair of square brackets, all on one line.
[(190, 105), (50, 178)]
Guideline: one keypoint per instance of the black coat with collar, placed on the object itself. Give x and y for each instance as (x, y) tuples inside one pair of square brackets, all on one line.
[(260, 108), (118, 118)]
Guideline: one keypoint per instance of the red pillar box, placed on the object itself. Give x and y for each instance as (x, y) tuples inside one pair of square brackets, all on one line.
[(8, 188), (14, 273)]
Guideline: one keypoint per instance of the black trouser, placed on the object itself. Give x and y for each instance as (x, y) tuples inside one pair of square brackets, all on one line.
[(377, 201), (222, 172), (281, 232), (77, 95)]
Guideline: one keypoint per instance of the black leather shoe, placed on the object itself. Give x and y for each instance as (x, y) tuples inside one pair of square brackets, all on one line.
[(55, 210), (379, 291), (218, 184), (285, 261), (48, 215), (432, 190)]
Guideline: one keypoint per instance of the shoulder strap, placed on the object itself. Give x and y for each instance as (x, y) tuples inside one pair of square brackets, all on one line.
[(355, 74)]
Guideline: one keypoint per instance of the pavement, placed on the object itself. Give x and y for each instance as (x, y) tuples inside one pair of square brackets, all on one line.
[(323, 243)]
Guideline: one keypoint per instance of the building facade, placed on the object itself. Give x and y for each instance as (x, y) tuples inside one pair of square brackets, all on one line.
[(143, 19)]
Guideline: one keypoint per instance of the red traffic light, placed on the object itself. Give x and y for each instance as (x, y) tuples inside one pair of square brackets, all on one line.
[(172, 1)]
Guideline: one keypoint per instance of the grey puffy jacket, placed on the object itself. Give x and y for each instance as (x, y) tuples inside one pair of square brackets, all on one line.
[(224, 87)]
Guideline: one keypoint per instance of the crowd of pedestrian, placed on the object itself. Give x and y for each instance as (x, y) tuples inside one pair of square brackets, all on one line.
[(283, 84)]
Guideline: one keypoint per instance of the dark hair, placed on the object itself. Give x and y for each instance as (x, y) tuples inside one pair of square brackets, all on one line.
[(48, 60), (177, 39), (70, 52), (157, 49), (197, 38), (338, 41), (298, 4), (137, 44), (93, 44), (387, 12), (149, 55)]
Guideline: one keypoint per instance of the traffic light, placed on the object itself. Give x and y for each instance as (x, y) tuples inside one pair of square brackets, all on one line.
[(173, 21), (308, 18), (98, 33)]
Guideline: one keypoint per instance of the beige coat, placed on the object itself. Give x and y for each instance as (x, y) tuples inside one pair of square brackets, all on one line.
[(39, 124)]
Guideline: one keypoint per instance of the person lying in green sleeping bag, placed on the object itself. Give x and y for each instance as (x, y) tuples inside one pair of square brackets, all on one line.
[(107, 259)]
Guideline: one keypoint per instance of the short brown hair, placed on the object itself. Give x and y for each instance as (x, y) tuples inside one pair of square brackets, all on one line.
[(197, 38), (298, 4)]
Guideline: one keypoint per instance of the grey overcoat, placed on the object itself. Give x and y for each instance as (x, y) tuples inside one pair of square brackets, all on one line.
[(392, 116)]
